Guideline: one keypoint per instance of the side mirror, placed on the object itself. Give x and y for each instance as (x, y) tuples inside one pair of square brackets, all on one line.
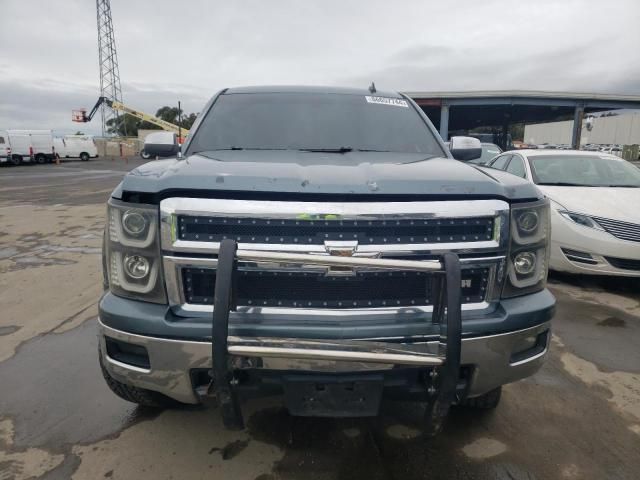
[(161, 144), (465, 148)]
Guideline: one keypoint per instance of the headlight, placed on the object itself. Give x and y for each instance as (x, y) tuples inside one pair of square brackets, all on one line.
[(132, 227), (135, 223), (132, 252), (580, 219), (528, 257), (524, 263), (136, 266), (528, 221)]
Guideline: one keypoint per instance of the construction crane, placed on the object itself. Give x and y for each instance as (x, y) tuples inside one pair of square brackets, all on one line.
[(82, 116)]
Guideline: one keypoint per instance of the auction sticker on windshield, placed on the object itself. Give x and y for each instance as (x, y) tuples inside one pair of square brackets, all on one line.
[(396, 102)]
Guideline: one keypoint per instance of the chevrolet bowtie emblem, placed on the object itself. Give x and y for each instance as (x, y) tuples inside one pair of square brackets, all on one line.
[(345, 249), (341, 249)]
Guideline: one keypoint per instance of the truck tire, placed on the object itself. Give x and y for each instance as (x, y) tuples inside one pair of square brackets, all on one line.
[(145, 155), (16, 160), (141, 396), (84, 156), (41, 159), (488, 401)]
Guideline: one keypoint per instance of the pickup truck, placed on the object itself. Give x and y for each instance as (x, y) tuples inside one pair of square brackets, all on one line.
[(323, 244)]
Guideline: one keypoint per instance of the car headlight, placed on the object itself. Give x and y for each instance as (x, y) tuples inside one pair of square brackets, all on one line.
[(132, 252), (135, 223), (528, 258), (580, 219)]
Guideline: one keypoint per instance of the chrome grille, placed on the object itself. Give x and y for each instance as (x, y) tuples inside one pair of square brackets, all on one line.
[(622, 230), (191, 230)]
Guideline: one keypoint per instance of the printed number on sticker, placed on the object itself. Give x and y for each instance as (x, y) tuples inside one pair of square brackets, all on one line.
[(395, 102)]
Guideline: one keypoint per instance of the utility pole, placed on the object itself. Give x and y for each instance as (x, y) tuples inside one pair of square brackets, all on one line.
[(108, 61), (179, 124), (576, 134)]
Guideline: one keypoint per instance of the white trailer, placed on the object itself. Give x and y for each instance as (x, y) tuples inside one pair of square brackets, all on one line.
[(17, 146), (76, 146)]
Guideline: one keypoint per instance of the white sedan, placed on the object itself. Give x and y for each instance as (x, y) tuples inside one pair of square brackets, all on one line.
[(595, 207)]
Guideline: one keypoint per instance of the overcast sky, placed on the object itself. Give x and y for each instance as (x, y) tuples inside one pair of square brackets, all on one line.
[(187, 50)]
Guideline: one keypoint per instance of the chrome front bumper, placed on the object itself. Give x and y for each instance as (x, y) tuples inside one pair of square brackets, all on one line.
[(492, 357)]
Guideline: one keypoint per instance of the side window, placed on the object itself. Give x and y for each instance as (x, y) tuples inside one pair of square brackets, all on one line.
[(516, 166), (500, 162), (1, 140)]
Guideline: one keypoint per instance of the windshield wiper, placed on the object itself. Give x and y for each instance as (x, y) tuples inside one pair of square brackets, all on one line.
[(622, 186), (371, 150), (239, 148), (342, 150), (207, 153), (327, 150), (567, 184)]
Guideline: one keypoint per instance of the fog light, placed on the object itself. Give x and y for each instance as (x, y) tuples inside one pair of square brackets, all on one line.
[(135, 266), (525, 263), (528, 221), (134, 223)]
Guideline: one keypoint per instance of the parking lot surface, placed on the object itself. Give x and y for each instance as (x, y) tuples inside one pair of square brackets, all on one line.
[(578, 418)]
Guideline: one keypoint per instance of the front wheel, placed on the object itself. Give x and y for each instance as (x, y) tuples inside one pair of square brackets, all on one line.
[(141, 396), (16, 160), (41, 159), (145, 155), (84, 156)]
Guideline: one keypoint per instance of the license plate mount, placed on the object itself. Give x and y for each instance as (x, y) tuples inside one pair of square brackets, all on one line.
[(329, 396)]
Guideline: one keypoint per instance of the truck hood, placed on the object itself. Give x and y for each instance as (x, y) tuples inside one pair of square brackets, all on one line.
[(248, 172)]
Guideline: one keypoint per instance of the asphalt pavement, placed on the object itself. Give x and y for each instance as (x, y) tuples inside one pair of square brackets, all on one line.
[(578, 418)]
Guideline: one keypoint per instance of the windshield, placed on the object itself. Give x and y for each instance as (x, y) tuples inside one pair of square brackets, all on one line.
[(488, 152), (584, 171), (301, 121)]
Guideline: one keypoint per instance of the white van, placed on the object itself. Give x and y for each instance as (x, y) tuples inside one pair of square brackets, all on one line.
[(17, 146), (76, 146)]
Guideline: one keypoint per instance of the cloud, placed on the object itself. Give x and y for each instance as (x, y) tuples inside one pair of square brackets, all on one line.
[(170, 52), (48, 104), (440, 68)]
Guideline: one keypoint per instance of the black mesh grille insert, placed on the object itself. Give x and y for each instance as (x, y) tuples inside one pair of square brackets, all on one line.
[(314, 290), (315, 231)]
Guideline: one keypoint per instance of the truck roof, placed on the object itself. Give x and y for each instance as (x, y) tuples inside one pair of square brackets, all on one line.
[(311, 89)]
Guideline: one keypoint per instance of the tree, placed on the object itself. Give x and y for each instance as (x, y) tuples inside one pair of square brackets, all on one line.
[(123, 125), (187, 121), (143, 125), (172, 115), (168, 114)]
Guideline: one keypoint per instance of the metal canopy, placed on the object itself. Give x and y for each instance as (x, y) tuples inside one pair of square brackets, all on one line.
[(454, 111)]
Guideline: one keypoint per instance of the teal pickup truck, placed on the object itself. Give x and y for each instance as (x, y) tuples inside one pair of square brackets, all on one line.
[(323, 244)]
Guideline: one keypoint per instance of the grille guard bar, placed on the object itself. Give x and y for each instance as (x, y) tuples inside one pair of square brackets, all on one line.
[(446, 313)]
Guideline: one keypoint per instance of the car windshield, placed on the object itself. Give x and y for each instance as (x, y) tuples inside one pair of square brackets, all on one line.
[(584, 171), (488, 152), (335, 123)]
